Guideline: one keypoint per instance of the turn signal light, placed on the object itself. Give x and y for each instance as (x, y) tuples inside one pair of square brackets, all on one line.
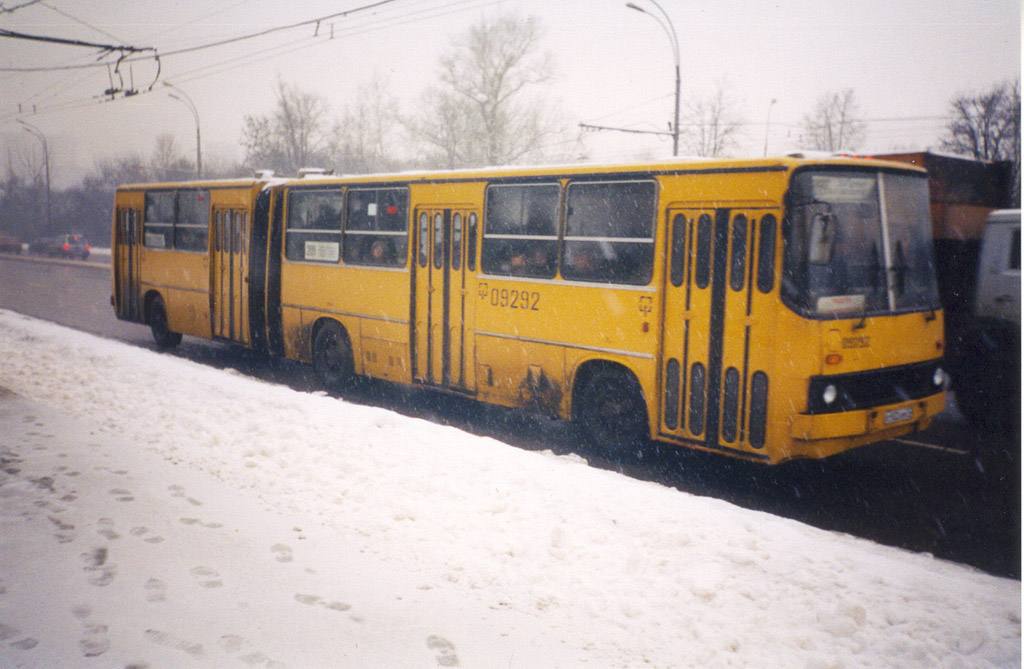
[(833, 359)]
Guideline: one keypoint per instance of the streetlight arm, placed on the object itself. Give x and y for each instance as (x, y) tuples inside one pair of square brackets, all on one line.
[(191, 107), (187, 101), (666, 24)]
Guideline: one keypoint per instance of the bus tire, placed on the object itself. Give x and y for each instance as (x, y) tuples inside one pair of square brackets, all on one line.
[(332, 356), (156, 317), (612, 418)]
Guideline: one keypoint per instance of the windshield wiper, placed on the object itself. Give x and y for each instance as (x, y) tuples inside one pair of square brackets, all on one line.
[(877, 278), (875, 270), (899, 269), (863, 322)]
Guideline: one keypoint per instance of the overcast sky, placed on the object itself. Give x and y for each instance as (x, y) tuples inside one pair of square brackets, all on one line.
[(904, 60)]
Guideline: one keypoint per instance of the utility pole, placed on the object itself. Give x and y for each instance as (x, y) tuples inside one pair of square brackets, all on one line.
[(187, 101), (32, 130), (767, 124)]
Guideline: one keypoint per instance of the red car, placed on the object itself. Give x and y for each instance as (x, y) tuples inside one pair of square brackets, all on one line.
[(63, 246), (9, 244)]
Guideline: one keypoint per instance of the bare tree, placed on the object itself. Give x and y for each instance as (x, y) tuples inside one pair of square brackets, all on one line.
[(481, 113), (986, 126), (168, 163), (835, 124), (366, 137), (112, 172), (713, 125), (294, 136)]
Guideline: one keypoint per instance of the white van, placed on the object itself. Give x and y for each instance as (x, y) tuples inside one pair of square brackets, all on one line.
[(987, 383)]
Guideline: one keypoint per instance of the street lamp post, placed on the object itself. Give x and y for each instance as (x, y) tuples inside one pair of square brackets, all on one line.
[(670, 30), (32, 130), (767, 124), (186, 100)]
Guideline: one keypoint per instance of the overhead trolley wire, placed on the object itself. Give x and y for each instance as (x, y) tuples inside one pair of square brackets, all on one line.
[(418, 14), (79, 21), (177, 52)]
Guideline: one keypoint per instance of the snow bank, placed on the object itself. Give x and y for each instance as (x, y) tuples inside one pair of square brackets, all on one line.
[(621, 572)]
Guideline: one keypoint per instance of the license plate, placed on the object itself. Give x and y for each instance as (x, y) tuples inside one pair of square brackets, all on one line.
[(898, 415)]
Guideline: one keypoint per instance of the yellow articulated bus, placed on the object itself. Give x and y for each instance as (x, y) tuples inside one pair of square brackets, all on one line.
[(766, 309)]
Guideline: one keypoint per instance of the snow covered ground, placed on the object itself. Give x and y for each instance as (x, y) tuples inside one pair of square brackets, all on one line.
[(155, 513)]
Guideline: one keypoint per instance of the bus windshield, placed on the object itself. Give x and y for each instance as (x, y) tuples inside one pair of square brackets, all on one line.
[(858, 243)]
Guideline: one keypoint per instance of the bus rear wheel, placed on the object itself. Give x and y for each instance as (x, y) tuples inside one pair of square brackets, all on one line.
[(156, 316), (332, 356), (611, 420)]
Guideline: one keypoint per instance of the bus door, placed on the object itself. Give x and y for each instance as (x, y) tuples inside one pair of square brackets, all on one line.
[(444, 256), (709, 327), (128, 248), (229, 295)]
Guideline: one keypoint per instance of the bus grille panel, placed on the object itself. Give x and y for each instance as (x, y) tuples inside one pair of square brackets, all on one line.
[(864, 390)]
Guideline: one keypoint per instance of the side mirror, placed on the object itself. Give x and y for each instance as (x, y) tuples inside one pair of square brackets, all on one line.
[(823, 235)]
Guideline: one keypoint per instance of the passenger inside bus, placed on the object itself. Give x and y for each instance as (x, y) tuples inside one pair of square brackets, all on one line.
[(381, 252)]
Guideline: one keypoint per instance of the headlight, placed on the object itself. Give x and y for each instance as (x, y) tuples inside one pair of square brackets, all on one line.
[(829, 394), (939, 377)]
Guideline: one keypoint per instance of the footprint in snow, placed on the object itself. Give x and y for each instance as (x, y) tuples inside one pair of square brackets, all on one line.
[(8, 632), (156, 590), (179, 491), (106, 529), (45, 483), (315, 600), (199, 523), (28, 643), (207, 577), (168, 640), (237, 645), (122, 495), (94, 641), (101, 573), (142, 531), (65, 531), (281, 553), (445, 650)]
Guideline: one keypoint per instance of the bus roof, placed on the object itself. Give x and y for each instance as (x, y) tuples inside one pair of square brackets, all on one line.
[(666, 166)]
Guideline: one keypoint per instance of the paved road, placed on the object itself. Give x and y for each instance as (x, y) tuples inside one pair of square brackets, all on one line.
[(952, 491)]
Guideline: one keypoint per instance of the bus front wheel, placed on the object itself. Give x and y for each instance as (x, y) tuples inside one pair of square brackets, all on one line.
[(611, 420), (156, 316), (332, 356)]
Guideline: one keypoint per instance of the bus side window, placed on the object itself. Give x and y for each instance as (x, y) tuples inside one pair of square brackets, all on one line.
[(438, 240), (521, 230), (766, 254), (738, 268), (471, 243), (158, 225), (456, 241), (702, 263), (376, 226), (609, 232), (314, 224), (424, 239), (678, 266), (192, 226)]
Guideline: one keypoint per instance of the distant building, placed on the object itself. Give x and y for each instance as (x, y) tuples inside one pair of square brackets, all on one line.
[(963, 193)]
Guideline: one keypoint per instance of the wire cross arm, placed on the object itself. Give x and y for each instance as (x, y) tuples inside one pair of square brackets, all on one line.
[(74, 42), (600, 128)]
